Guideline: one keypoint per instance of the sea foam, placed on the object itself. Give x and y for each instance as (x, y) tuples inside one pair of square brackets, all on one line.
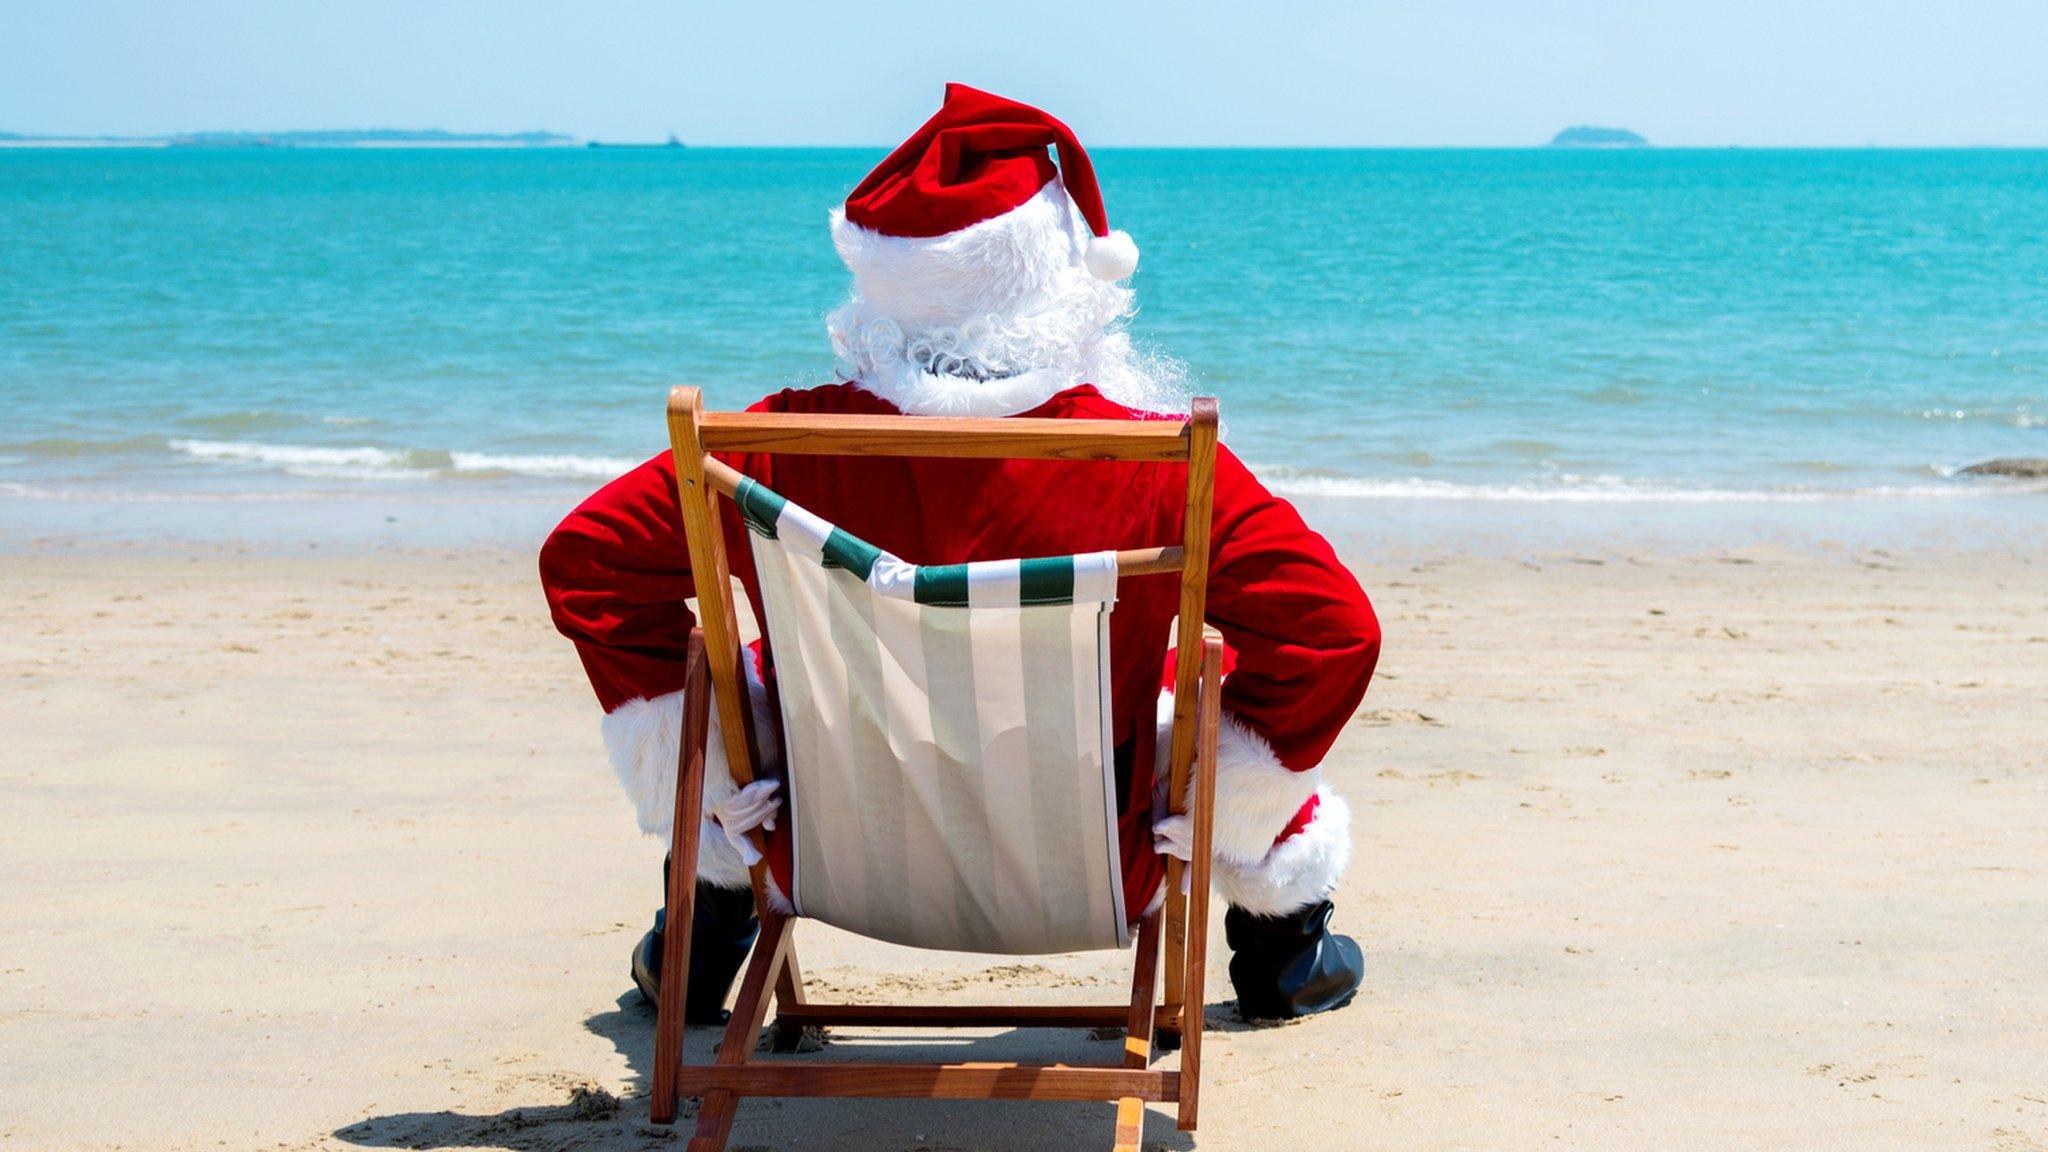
[(371, 463), (1614, 491)]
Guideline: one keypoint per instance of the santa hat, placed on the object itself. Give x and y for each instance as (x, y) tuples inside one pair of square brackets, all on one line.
[(971, 210)]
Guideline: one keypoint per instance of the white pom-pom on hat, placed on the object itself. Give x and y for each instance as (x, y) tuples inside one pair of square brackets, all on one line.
[(1111, 257)]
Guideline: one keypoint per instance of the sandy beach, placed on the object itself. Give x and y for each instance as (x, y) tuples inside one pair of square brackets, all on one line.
[(1738, 849)]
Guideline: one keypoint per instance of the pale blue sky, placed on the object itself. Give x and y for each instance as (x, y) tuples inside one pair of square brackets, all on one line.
[(1463, 72)]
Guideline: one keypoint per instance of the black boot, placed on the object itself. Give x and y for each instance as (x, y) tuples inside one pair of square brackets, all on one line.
[(722, 929), (1292, 965)]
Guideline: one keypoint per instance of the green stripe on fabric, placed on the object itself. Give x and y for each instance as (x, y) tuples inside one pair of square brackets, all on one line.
[(845, 550), (759, 507), (945, 585), (1046, 580)]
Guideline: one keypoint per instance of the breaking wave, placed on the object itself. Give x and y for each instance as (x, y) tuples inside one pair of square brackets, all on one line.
[(369, 463), (1611, 490)]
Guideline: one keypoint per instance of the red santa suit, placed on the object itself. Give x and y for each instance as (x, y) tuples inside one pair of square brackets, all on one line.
[(1303, 639)]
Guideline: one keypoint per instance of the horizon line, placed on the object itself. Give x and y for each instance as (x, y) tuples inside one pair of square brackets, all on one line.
[(458, 140)]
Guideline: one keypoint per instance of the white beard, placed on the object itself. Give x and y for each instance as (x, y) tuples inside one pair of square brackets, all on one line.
[(908, 371), (991, 320)]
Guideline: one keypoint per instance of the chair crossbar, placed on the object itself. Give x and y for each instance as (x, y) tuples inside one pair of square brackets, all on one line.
[(957, 438), (933, 1081), (954, 1015)]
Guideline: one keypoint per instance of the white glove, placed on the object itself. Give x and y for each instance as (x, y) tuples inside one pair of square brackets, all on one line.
[(1174, 836), (754, 806)]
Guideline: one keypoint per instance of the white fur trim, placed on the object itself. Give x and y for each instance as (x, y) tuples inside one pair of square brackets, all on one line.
[(642, 738), (776, 899), (993, 268), (1256, 795), (1298, 871), (1112, 257), (1158, 901)]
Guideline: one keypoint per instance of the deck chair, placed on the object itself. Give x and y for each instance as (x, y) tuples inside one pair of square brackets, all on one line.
[(906, 687)]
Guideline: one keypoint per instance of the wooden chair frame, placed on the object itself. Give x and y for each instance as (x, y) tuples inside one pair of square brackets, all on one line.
[(1173, 1013)]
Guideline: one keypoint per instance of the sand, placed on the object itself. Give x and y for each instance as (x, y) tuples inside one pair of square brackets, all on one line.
[(1717, 851)]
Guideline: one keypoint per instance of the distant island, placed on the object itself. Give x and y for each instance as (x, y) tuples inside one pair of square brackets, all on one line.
[(1590, 137), (332, 138)]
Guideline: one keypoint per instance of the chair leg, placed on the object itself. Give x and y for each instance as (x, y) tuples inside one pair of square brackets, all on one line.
[(743, 1031), (1130, 1111), (789, 992), (1191, 1013), (1172, 1005), (668, 1018), (1209, 720), (681, 897)]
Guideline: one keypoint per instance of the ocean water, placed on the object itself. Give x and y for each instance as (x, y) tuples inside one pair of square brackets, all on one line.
[(186, 334)]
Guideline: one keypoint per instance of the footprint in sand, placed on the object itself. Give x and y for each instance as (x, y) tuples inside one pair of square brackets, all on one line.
[(1384, 717)]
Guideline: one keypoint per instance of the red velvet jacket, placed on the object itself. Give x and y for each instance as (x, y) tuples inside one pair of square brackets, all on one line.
[(1303, 636)]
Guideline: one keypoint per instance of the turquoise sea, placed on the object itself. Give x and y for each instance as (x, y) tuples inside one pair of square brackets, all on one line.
[(230, 342)]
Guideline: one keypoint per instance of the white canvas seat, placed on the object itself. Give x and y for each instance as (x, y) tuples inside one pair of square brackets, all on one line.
[(946, 739)]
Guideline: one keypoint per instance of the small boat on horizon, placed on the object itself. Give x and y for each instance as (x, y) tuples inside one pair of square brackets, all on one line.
[(671, 142)]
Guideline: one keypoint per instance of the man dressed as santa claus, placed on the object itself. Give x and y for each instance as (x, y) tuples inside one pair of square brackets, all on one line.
[(986, 282)]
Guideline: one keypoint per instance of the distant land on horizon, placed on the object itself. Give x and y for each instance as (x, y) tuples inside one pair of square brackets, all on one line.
[(313, 138), (1587, 136)]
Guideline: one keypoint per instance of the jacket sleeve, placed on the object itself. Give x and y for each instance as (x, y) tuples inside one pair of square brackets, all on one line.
[(1305, 641), (616, 573)]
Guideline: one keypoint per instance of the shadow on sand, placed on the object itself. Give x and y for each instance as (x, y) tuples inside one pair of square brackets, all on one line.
[(589, 1119)]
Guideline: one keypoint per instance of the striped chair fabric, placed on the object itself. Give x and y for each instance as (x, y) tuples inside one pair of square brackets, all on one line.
[(946, 738)]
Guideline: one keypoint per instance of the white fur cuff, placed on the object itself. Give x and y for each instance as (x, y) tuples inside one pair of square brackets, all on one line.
[(643, 737), (1256, 795), (1299, 871)]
